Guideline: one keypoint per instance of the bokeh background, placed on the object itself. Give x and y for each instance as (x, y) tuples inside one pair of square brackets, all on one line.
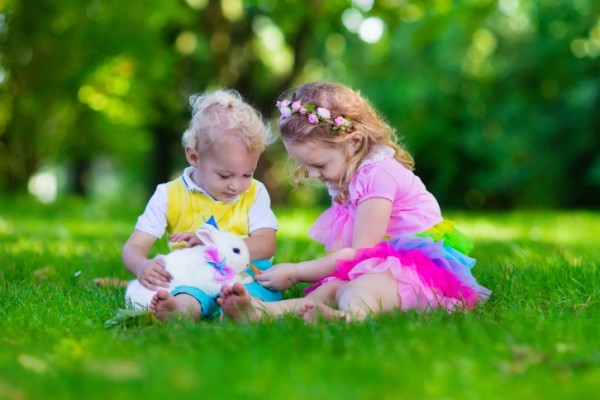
[(498, 100)]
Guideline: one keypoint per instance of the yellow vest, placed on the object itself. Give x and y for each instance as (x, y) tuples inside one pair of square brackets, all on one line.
[(188, 210)]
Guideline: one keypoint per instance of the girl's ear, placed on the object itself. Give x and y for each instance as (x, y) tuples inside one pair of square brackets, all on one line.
[(191, 155), (354, 142)]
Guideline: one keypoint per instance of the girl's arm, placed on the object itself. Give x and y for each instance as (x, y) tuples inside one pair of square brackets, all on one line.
[(285, 275), (371, 222), (261, 243), (370, 226), (310, 271)]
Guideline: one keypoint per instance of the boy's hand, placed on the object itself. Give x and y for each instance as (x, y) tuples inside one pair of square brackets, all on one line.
[(154, 275), (279, 277), (189, 237)]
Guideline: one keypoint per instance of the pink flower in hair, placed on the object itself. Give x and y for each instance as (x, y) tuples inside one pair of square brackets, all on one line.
[(323, 113), (313, 113), (285, 112)]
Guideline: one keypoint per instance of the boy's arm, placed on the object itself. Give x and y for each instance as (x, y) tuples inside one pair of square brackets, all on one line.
[(150, 273), (262, 225), (262, 243)]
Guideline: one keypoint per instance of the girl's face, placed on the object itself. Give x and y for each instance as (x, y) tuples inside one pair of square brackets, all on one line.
[(224, 171), (327, 163)]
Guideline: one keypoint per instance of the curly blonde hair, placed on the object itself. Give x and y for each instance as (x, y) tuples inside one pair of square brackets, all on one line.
[(340, 100), (222, 115)]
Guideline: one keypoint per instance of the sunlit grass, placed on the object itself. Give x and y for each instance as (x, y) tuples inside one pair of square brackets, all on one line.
[(537, 336)]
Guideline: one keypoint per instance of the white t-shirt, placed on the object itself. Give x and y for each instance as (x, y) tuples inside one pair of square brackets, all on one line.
[(154, 219)]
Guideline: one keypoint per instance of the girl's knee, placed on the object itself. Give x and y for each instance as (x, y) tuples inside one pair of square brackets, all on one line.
[(326, 293), (375, 293), (353, 296)]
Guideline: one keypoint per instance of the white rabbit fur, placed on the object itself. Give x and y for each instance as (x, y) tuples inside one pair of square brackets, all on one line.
[(189, 267)]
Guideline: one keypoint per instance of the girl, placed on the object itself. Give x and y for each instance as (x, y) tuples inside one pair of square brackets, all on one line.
[(389, 247), (222, 145)]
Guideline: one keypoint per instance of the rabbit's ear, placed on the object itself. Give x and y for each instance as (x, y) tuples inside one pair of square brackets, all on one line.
[(209, 227), (206, 236)]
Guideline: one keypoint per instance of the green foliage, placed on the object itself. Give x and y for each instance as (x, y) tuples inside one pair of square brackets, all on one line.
[(498, 100), (486, 101), (536, 336)]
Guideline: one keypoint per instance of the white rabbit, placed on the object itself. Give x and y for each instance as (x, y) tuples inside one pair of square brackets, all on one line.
[(222, 259)]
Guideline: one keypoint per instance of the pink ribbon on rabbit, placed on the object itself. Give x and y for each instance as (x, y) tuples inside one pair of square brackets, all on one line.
[(223, 272)]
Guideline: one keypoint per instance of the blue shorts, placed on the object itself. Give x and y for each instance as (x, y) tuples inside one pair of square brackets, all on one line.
[(209, 304)]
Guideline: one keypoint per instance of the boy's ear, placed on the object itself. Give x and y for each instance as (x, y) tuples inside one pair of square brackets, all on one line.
[(191, 155)]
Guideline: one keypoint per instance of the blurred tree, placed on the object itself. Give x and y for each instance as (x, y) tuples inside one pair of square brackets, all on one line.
[(498, 100), (77, 84)]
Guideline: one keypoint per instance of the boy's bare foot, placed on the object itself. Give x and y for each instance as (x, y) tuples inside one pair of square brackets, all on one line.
[(165, 306), (238, 305), (312, 313)]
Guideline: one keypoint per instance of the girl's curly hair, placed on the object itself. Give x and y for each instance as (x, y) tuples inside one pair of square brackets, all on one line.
[(343, 101)]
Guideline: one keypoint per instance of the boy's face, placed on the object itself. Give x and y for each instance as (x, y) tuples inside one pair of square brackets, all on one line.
[(224, 171)]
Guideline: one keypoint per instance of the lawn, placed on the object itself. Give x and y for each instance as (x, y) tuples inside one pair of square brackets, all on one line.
[(536, 337)]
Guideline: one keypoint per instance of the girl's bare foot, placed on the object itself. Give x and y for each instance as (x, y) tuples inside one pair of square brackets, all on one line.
[(165, 306), (313, 313), (238, 305)]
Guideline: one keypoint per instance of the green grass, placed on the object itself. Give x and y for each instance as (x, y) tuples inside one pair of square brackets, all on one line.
[(536, 337)]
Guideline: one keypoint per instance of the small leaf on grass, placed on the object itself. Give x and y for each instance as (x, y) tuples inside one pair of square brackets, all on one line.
[(43, 274), (110, 282), (118, 370), (32, 363), (127, 318)]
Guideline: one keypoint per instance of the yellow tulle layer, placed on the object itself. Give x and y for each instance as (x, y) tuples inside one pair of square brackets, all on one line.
[(452, 237)]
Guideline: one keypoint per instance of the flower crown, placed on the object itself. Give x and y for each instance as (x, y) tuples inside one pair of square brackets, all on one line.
[(287, 108)]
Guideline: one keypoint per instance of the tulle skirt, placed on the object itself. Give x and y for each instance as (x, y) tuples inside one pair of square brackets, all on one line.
[(432, 268)]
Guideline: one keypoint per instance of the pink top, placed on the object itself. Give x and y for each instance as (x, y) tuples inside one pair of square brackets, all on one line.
[(414, 209)]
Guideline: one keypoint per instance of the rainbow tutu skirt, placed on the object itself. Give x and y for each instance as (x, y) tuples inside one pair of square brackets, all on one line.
[(432, 268)]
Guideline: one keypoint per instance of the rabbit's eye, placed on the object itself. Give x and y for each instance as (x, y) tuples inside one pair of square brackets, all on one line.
[(236, 250)]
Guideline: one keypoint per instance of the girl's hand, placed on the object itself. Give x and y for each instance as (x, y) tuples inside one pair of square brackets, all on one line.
[(154, 275), (189, 237), (279, 277)]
